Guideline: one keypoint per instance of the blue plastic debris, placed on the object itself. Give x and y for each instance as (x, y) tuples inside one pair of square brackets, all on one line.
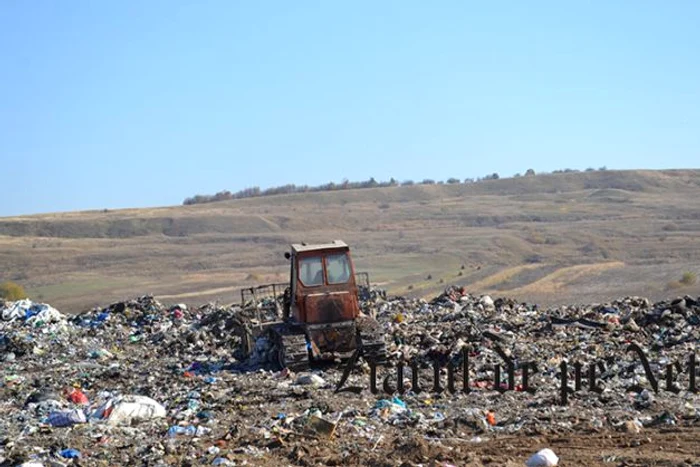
[(182, 430), (398, 401), (70, 453)]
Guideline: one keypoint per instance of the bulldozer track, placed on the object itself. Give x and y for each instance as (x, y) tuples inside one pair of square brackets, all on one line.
[(292, 351)]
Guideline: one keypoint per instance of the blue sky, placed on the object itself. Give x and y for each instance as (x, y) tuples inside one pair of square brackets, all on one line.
[(143, 103)]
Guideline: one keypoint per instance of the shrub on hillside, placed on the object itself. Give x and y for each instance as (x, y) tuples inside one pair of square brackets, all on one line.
[(12, 291), (689, 278), (534, 259), (670, 227), (253, 277)]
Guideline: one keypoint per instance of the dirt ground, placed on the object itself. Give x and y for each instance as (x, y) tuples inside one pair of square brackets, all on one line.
[(667, 447)]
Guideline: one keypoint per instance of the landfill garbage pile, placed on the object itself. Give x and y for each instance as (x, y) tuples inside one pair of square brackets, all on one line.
[(143, 383), (29, 328)]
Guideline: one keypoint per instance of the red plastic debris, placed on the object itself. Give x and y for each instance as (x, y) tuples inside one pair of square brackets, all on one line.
[(77, 396), (491, 418)]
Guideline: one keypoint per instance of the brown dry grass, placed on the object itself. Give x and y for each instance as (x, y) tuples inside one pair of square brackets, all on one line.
[(550, 238)]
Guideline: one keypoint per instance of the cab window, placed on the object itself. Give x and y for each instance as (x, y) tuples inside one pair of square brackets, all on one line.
[(337, 268), (311, 271)]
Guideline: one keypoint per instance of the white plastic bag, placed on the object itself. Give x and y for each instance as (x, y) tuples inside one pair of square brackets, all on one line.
[(543, 458), (122, 410)]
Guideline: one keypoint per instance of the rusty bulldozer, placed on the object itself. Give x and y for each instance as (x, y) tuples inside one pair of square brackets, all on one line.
[(315, 317)]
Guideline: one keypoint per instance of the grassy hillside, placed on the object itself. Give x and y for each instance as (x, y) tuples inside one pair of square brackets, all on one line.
[(548, 238)]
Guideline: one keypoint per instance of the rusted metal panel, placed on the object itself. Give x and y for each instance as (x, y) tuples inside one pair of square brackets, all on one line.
[(326, 303), (330, 307)]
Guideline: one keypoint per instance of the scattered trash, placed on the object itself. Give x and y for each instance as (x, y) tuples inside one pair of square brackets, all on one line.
[(632, 426), (141, 382), (543, 458), (222, 461), (76, 396), (321, 426), (126, 409), (32, 314), (70, 453), (491, 418), (189, 430), (66, 417), (311, 379)]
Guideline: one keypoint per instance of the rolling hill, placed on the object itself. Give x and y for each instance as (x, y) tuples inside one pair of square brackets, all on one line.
[(551, 239)]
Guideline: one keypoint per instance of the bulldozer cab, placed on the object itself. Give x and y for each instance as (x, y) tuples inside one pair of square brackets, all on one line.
[(322, 286)]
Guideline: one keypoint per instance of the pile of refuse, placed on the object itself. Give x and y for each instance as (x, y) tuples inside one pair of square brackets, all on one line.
[(142, 383), (29, 328)]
